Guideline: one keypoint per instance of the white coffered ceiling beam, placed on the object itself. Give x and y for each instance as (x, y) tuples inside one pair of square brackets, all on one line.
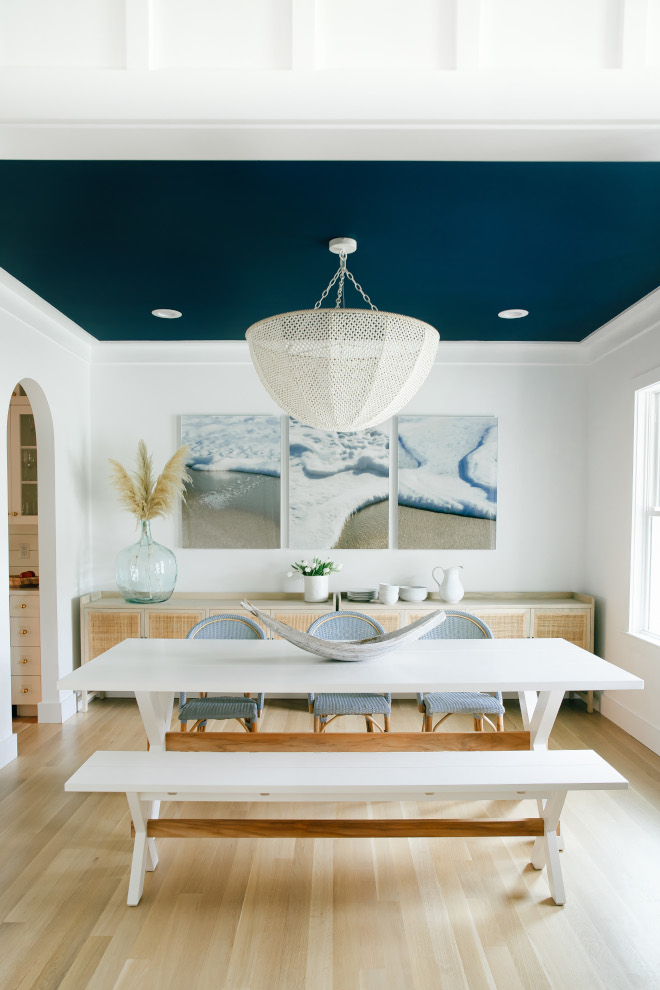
[(138, 34)]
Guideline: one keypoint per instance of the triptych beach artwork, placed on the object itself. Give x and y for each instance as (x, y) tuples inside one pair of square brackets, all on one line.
[(444, 479)]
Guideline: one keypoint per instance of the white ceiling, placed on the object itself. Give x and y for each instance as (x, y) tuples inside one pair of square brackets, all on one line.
[(330, 79)]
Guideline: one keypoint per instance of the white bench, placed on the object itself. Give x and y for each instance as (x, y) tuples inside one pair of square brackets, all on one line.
[(147, 778)]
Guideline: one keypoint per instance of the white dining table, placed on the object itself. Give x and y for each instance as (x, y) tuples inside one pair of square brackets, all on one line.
[(540, 671)]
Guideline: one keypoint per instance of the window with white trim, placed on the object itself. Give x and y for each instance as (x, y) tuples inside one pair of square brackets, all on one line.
[(645, 571)]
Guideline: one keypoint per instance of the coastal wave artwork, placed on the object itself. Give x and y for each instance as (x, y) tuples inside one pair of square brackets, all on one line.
[(447, 482), (338, 488), (234, 498)]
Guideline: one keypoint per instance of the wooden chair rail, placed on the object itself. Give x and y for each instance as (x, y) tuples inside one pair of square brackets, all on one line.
[(332, 828), (343, 742)]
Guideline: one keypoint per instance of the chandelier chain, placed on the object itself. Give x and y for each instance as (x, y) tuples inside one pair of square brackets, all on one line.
[(340, 290), (341, 273)]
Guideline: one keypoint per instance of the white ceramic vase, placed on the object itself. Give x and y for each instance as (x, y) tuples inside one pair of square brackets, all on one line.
[(316, 588)]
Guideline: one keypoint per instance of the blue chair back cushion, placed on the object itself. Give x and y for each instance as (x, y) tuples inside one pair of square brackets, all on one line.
[(460, 625), (226, 626), (345, 625)]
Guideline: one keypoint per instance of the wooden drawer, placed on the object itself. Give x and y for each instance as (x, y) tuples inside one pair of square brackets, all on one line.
[(573, 625), (24, 631), (504, 624), (21, 605), (106, 628), (25, 690), (172, 624), (25, 660)]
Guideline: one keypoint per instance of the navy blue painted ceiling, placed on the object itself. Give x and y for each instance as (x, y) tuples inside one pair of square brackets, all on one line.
[(229, 243)]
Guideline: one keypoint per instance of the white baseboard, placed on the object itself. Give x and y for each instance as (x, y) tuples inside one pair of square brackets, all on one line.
[(57, 711), (8, 749), (634, 724)]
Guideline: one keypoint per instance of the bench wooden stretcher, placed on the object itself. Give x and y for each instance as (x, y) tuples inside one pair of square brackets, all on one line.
[(258, 771)]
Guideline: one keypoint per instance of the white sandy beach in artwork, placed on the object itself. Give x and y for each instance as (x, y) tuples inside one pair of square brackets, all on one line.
[(234, 499), (332, 476), (447, 482)]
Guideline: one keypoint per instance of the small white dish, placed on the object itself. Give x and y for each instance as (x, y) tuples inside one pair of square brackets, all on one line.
[(412, 593)]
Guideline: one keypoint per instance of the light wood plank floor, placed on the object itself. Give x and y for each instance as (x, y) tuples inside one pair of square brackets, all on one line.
[(322, 914)]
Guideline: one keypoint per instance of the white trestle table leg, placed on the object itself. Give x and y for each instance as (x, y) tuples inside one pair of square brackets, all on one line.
[(528, 701), (543, 717), (156, 711)]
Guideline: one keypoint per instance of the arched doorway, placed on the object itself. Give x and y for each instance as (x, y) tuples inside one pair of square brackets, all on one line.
[(31, 521)]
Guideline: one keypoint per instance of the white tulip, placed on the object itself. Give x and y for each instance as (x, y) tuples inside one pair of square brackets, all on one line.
[(289, 574)]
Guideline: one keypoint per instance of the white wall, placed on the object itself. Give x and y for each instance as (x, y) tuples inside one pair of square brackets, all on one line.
[(541, 409), (633, 351), (52, 362)]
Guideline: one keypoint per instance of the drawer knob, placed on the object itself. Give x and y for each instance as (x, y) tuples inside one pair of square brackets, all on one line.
[(24, 632), (14, 513), (26, 690), (23, 605), (25, 660)]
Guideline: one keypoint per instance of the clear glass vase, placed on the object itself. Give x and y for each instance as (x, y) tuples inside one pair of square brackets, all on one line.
[(146, 571)]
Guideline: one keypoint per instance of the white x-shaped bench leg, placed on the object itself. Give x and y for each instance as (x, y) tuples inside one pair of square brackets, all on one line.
[(546, 849), (145, 857)]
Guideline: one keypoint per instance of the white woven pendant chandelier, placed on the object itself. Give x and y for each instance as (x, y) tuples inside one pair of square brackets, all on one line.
[(342, 369)]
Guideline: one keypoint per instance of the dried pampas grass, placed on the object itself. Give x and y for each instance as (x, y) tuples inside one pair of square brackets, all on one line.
[(139, 494)]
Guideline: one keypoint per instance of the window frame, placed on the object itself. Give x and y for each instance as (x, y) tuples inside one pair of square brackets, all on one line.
[(646, 507)]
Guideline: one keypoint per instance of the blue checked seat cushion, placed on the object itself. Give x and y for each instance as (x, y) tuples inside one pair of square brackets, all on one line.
[(461, 702), (461, 625), (342, 626), (351, 704), (224, 626), (221, 707)]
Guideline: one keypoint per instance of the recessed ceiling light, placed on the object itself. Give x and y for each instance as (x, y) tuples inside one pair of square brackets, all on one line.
[(166, 314), (513, 314)]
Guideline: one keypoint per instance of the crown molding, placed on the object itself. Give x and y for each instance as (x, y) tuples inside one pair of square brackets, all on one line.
[(639, 319), (24, 305), (236, 352)]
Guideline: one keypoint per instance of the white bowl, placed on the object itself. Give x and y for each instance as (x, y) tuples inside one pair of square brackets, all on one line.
[(412, 593)]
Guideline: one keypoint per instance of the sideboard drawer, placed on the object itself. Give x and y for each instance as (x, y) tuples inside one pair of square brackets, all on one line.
[(506, 624)]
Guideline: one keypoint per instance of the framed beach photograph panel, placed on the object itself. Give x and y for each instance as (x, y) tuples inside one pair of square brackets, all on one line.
[(447, 482), (233, 501), (338, 488)]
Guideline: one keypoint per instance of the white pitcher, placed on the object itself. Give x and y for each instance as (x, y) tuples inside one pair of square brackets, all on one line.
[(449, 585)]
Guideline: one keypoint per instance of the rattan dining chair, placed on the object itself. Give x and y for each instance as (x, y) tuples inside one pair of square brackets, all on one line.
[(246, 710), (342, 626), (461, 625)]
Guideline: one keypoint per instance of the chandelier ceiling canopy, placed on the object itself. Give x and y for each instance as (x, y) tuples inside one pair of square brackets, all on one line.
[(342, 369)]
